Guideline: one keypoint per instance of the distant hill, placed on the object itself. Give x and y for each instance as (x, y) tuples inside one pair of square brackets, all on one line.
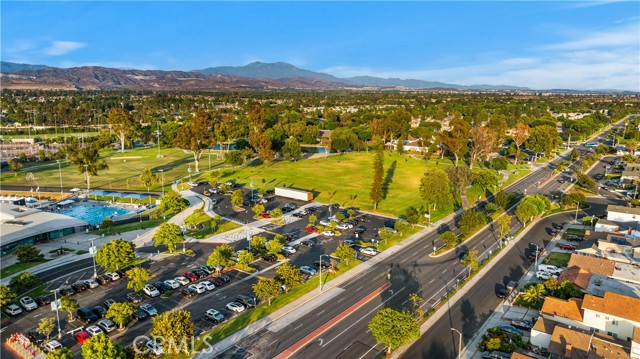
[(11, 67), (262, 70)]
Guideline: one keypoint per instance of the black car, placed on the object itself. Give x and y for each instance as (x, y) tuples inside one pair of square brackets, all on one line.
[(103, 279), (200, 273), (574, 238), (162, 286), (188, 292), (79, 287), (360, 229), (297, 215), (334, 206), (502, 293), (100, 311), (556, 225), (134, 297), (552, 231), (122, 273), (322, 263), (108, 302), (87, 315), (269, 258), (44, 300), (312, 209), (140, 314), (307, 242), (248, 302), (599, 176), (225, 278), (36, 338), (66, 291)]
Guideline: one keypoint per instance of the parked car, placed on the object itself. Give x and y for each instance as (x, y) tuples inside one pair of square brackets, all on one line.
[(151, 291), (344, 226), (162, 287), (66, 291), (288, 250), (190, 276), (149, 309), (52, 346), (360, 229), (248, 302), (552, 231), (311, 229), (99, 311), (79, 287), (235, 307), (495, 355), (324, 222), (199, 288), (36, 338), (567, 247), (81, 337), (217, 282), (200, 273), (510, 329), (107, 325), (574, 238), (44, 300), (349, 242), (173, 284), (323, 264), (103, 279), (550, 269), (208, 285), (12, 310), (502, 293), (181, 280), (122, 272), (542, 275), (113, 276), (269, 258), (28, 304), (134, 297), (206, 269), (521, 324), (188, 292), (140, 314), (557, 225), (90, 283), (297, 215), (368, 251), (308, 270), (86, 315), (109, 302), (214, 316), (93, 330), (329, 233), (307, 242)]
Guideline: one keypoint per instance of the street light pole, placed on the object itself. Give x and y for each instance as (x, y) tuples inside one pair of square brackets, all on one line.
[(158, 133), (55, 300), (537, 251), (93, 252), (60, 175), (86, 174), (459, 343), (322, 255), (162, 175), (577, 207)]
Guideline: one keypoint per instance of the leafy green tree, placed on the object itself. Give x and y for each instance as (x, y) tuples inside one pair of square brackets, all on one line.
[(24, 281), (520, 134), (289, 275), (376, 195), (7, 295), (534, 294), (168, 234), (574, 155), (257, 210), (148, 178), (416, 302), (280, 238), (213, 177), (87, 161), (435, 188), (460, 178), (237, 198), (551, 284), (221, 256), (494, 343), (572, 199), (501, 198), (63, 353), (276, 213), (386, 234), (471, 221), (544, 139), (245, 257), (274, 247), (486, 179), (14, 166), (195, 136), (69, 305), (503, 224), (175, 327), (402, 226), (45, 326), (393, 328), (345, 252), (28, 253), (450, 238), (340, 216), (102, 347), (471, 261), (525, 211), (234, 158), (266, 288), (499, 163), (138, 277), (313, 219), (121, 123), (258, 242), (483, 141), (456, 139), (261, 142), (116, 254), (291, 150), (121, 313), (172, 202)]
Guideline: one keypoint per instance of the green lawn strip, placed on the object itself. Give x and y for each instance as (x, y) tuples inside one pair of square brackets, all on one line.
[(201, 220), (515, 176), (262, 310), (383, 246), (474, 193), (130, 227), (123, 173), (557, 259), (81, 251), (576, 231), (18, 267), (613, 175)]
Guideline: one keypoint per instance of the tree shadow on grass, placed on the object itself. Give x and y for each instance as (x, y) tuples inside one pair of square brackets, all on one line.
[(388, 179)]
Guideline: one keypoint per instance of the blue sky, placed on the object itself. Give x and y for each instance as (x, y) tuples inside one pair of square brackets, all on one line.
[(543, 44)]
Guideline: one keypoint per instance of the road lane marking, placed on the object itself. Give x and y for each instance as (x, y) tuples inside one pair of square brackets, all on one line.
[(431, 281), (297, 327), (341, 299), (444, 270), (322, 311)]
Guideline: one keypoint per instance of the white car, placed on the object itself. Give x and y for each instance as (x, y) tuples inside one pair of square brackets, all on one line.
[(149, 309), (289, 249), (199, 288), (151, 291), (93, 330), (214, 316), (107, 325), (28, 304), (235, 307), (324, 222), (329, 233), (544, 275), (154, 347), (192, 184), (52, 346), (181, 280), (208, 285), (13, 309), (113, 275), (90, 283), (368, 251), (308, 270), (172, 283), (343, 226)]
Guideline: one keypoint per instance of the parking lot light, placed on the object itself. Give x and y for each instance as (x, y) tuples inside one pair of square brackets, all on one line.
[(320, 265)]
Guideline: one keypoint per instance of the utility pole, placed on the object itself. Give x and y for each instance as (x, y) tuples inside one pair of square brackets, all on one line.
[(57, 305), (93, 255), (60, 175), (459, 343)]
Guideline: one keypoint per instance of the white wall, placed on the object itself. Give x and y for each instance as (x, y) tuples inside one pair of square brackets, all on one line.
[(623, 328), (622, 217)]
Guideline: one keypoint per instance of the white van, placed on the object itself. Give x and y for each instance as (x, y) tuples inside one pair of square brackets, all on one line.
[(549, 269)]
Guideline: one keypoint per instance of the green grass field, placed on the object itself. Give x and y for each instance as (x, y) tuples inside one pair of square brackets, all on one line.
[(61, 133), (558, 259), (202, 222), (346, 179), (123, 172)]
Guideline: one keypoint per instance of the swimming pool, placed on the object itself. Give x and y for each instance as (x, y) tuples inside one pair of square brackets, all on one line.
[(94, 214)]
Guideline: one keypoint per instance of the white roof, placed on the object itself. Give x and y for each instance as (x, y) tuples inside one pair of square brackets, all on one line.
[(17, 222)]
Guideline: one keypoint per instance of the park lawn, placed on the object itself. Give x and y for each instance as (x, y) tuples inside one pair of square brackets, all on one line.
[(522, 171), (18, 267), (123, 172), (344, 179), (203, 222), (580, 189), (557, 259)]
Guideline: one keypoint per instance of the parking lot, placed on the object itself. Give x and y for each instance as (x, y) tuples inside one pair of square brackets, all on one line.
[(171, 267)]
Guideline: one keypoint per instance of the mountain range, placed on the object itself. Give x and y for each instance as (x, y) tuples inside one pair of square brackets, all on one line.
[(256, 76)]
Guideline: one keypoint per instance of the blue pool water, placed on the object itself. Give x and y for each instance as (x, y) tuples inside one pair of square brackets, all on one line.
[(94, 214)]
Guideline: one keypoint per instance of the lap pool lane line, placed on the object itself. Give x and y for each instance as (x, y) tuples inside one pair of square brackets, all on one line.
[(310, 337)]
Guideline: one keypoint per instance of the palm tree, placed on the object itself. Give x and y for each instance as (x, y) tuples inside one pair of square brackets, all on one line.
[(87, 160), (534, 293)]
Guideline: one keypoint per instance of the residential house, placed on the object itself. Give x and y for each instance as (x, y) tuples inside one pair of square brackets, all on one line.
[(631, 173), (622, 214), (614, 314)]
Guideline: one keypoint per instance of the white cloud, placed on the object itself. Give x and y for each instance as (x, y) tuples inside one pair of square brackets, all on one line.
[(519, 61), (58, 48), (622, 36)]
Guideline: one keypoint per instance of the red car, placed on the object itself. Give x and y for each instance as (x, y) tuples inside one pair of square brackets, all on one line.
[(190, 276), (311, 229), (81, 337), (567, 247), (265, 215)]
